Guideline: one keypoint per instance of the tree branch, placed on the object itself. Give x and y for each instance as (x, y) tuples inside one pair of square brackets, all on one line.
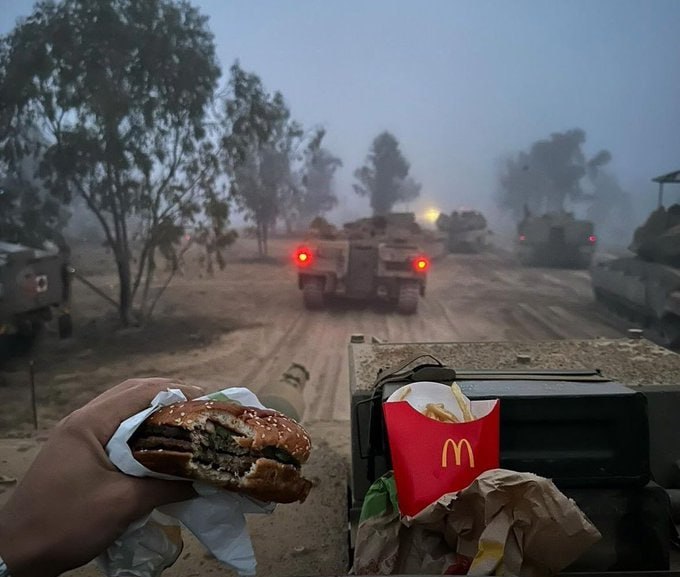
[(176, 157), (95, 209), (160, 293)]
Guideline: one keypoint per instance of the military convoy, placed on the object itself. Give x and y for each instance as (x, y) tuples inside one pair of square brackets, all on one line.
[(555, 239), (598, 417), (33, 284), (379, 257), (465, 230), (645, 287)]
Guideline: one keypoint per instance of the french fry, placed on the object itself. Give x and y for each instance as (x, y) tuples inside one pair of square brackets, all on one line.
[(430, 414), (404, 393), (462, 401), (438, 412)]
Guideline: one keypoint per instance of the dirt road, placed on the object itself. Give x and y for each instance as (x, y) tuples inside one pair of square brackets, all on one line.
[(245, 326)]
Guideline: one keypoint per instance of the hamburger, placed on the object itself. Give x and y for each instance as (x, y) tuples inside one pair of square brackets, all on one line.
[(253, 451)]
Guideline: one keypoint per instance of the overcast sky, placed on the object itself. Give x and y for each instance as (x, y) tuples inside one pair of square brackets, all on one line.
[(461, 84)]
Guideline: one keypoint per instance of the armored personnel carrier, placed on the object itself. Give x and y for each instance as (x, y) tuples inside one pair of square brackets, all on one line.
[(555, 239), (466, 230), (645, 286), (377, 257), (33, 283), (598, 417)]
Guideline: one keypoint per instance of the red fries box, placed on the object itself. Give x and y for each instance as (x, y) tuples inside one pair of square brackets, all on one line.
[(430, 457)]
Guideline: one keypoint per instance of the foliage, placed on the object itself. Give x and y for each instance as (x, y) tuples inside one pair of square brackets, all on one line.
[(29, 214), (317, 195), (260, 146), (119, 91), (385, 176), (550, 172), (611, 206)]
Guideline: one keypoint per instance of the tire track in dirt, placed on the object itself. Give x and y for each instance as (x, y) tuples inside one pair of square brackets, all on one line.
[(266, 354), (587, 320), (331, 378), (324, 369), (540, 318)]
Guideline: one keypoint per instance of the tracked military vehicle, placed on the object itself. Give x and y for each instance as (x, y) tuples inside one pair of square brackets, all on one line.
[(373, 258), (598, 417), (555, 239), (33, 285), (645, 287), (466, 230)]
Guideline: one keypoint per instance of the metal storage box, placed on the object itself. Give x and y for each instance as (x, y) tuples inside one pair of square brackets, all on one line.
[(577, 434)]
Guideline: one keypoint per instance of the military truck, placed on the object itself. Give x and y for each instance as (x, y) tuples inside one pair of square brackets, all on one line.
[(33, 284), (645, 286), (377, 257), (466, 230), (598, 417), (555, 239)]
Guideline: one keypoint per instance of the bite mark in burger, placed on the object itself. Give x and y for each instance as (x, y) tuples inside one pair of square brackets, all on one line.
[(253, 451)]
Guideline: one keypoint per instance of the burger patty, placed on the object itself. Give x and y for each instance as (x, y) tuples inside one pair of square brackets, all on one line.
[(234, 464), (214, 446), (155, 443), (281, 456)]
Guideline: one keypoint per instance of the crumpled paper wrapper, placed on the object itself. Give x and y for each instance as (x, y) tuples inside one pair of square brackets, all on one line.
[(504, 523), (216, 517)]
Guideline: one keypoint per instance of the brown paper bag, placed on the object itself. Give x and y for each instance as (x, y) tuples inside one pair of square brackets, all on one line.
[(504, 523)]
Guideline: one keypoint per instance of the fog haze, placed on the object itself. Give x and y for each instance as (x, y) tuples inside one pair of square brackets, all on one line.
[(464, 84)]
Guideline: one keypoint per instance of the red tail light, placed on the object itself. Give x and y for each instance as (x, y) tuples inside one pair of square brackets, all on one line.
[(303, 257), (421, 264), (592, 239), (522, 237)]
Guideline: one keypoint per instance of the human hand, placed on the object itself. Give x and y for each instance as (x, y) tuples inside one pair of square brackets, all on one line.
[(73, 503)]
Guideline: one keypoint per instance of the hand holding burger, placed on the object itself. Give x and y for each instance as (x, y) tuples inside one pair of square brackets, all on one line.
[(73, 503)]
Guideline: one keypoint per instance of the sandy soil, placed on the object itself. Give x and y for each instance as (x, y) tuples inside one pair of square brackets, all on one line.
[(244, 326)]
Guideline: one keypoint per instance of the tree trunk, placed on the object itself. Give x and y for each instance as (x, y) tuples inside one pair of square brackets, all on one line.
[(150, 270), (260, 238), (160, 292), (125, 286), (265, 234)]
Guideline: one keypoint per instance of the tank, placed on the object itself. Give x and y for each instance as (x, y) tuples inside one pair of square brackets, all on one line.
[(33, 283), (555, 239), (598, 416), (658, 239), (645, 286), (466, 230), (372, 258)]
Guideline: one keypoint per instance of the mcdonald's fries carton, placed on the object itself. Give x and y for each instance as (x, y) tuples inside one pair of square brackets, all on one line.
[(440, 441)]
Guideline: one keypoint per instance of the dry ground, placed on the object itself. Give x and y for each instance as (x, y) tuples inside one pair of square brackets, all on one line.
[(244, 326)]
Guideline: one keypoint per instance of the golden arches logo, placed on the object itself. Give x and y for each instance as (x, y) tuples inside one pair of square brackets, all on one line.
[(457, 448)]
